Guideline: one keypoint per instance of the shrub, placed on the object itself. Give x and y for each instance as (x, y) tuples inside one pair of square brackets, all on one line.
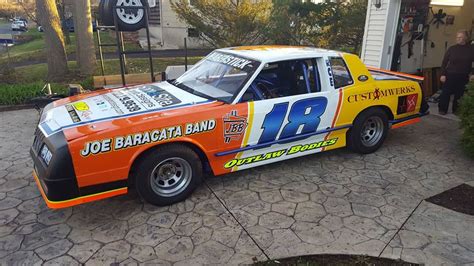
[(7, 74), (87, 83), (467, 120), (22, 93)]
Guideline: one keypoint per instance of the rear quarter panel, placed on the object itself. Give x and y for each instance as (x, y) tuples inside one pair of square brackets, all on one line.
[(371, 93)]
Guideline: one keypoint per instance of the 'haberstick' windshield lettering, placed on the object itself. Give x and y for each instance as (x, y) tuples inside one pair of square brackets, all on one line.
[(229, 60)]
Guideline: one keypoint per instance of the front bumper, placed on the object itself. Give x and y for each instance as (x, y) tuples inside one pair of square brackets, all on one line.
[(57, 181), (53, 204)]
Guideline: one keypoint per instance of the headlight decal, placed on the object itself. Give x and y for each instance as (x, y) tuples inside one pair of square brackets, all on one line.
[(46, 154)]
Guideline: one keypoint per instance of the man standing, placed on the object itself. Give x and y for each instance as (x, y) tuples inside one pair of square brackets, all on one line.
[(455, 70)]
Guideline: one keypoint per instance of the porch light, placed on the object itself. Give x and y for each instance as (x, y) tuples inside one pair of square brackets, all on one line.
[(447, 2), (377, 3)]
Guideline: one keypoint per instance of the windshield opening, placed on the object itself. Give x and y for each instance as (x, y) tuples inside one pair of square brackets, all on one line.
[(219, 76)]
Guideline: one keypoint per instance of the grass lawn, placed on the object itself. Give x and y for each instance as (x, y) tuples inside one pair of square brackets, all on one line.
[(26, 50), (34, 49), (30, 79), (38, 72)]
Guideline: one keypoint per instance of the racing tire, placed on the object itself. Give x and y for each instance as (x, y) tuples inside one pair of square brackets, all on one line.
[(368, 131), (127, 20), (168, 175)]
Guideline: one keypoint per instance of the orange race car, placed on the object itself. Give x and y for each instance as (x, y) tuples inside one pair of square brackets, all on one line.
[(237, 108)]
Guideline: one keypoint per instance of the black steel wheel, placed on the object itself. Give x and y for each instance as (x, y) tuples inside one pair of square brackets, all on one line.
[(168, 174), (368, 131)]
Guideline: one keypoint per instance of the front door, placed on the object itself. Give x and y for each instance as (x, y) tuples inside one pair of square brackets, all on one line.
[(292, 107)]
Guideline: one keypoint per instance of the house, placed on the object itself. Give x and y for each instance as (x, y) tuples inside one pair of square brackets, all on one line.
[(412, 35), (168, 32)]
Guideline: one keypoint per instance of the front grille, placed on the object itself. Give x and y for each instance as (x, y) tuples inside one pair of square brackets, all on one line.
[(38, 141)]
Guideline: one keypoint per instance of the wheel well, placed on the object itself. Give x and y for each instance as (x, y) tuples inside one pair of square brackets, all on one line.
[(202, 156), (382, 107)]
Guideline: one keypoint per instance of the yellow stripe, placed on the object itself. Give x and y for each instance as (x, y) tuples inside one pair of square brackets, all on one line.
[(74, 199), (249, 126), (247, 132), (88, 196)]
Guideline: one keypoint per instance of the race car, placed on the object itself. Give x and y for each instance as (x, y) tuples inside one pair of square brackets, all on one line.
[(237, 108)]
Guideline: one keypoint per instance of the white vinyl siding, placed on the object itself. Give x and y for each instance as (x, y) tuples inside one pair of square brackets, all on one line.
[(379, 33)]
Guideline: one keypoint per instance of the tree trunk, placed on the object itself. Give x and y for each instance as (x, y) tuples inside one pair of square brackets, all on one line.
[(47, 15), (85, 49), (62, 16)]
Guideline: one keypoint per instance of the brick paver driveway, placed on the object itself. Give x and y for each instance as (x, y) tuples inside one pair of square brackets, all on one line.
[(334, 202)]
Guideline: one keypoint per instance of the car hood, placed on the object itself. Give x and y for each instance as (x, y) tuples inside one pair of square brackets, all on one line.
[(114, 104)]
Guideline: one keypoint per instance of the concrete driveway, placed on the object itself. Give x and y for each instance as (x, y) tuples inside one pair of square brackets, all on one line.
[(334, 202)]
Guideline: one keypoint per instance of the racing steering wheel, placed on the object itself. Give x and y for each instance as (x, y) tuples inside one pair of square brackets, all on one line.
[(265, 90), (264, 87)]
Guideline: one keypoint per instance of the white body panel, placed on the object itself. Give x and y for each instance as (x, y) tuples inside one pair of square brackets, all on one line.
[(262, 108), (115, 104)]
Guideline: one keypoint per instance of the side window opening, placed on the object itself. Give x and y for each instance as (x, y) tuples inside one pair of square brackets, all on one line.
[(340, 72), (315, 82), (284, 78)]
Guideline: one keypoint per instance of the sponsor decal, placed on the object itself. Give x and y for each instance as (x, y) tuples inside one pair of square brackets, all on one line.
[(162, 97), (73, 114), (199, 127), (411, 102), (234, 126), (141, 98), (113, 104), (277, 154), (311, 146), (378, 94), (102, 105), (255, 158), (142, 138), (331, 78), (86, 115), (81, 106), (229, 60), (130, 104), (407, 103)]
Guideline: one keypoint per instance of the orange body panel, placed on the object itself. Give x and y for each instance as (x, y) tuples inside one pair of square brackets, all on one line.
[(90, 171)]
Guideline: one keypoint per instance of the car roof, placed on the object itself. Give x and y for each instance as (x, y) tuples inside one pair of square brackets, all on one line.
[(270, 53)]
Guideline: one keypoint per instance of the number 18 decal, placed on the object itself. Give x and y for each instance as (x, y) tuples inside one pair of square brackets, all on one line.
[(306, 113)]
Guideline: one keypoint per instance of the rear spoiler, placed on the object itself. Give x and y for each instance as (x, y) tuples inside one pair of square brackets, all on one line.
[(397, 74)]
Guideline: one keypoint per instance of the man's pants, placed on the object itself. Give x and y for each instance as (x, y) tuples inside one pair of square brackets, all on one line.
[(455, 84)]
